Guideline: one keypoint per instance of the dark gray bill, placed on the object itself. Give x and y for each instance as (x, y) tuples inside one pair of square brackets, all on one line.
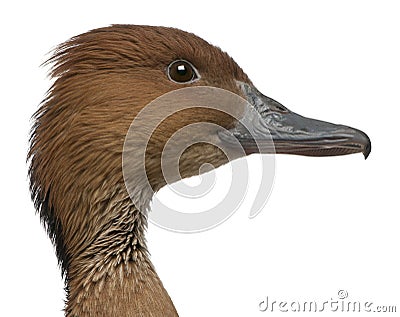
[(270, 127)]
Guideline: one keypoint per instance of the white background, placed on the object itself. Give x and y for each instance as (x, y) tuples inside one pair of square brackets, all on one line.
[(330, 223)]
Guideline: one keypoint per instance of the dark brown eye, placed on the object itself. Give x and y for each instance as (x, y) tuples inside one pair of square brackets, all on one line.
[(181, 71)]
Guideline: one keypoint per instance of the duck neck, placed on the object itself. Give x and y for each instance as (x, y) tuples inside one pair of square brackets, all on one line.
[(113, 275)]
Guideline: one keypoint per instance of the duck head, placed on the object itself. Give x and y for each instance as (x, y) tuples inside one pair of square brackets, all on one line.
[(103, 80)]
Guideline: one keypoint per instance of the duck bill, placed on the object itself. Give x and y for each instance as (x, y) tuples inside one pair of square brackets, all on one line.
[(269, 127)]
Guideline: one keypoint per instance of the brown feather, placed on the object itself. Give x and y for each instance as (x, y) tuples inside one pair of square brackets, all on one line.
[(103, 78)]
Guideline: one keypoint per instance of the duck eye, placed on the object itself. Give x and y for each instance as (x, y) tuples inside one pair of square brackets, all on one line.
[(182, 72)]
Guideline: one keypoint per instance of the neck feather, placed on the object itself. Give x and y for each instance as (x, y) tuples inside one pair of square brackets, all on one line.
[(126, 290), (113, 276)]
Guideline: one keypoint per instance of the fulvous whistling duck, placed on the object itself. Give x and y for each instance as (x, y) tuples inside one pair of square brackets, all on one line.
[(103, 78)]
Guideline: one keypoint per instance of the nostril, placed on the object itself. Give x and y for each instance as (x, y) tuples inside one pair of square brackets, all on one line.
[(281, 108)]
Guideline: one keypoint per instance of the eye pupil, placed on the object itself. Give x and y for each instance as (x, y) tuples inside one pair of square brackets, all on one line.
[(181, 72)]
